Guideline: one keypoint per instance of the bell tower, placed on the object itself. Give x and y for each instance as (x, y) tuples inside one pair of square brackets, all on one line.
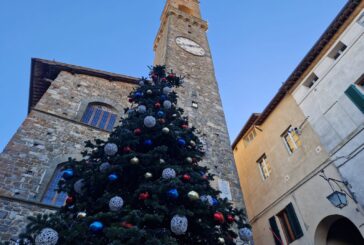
[(182, 45)]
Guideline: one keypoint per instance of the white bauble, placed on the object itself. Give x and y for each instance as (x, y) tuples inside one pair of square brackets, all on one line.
[(104, 167), (208, 199), (245, 234), (78, 186), (141, 83), (168, 173), (167, 104), (47, 236), (179, 225), (167, 90), (116, 203), (149, 121), (142, 109), (110, 149)]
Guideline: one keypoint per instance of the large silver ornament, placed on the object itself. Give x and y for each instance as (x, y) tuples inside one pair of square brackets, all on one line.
[(167, 90), (116, 203), (168, 173), (179, 225), (78, 186), (149, 121), (167, 104), (193, 195), (110, 149), (245, 234), (142, 109), (47, 236), (104, 167)]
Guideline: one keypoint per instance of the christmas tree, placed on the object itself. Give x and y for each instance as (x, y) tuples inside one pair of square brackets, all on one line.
[(144, 184)]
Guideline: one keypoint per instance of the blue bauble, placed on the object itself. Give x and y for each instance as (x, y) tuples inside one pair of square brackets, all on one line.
[(181, 142), (163, 97), (173, 193), (148, 142), (138, 94), (96, 226), (160, 114), (214, 202), (113, 177), (68, 173)]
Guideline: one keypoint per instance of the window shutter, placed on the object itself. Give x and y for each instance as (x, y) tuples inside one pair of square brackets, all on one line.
[(294, 222), (275, 231), (356, 96)]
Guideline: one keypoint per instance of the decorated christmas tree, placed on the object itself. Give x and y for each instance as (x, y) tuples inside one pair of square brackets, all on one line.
[(144, 185)]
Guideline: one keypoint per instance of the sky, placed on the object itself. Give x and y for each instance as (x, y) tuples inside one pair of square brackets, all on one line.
[(255, 45)]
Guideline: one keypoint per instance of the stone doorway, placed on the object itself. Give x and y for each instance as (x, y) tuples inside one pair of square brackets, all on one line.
[(337, 230)]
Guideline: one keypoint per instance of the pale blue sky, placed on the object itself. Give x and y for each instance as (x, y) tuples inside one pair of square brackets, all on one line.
[(255, 45)]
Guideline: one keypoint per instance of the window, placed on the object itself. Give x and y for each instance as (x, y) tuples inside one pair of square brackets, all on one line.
[(290, 224), (355, 94), (264, 167), (100, 116), (337, 50), (275, 231), (360, 82), (52, 197), (361, 20), (185, 9), (250, 137), (310, 81), (292, 139)]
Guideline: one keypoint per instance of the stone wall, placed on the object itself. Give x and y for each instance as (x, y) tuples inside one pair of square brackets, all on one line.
[(50, 134)]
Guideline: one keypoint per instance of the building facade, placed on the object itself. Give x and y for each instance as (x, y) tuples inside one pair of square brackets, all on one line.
[(70, 104), (305, 147)]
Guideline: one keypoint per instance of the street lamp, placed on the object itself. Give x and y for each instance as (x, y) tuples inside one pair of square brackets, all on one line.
[(338, 199)]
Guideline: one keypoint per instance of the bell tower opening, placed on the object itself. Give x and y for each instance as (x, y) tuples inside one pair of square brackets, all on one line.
[(185, 9)]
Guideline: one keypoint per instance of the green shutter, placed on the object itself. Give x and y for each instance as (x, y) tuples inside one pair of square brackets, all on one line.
[(293, 220), (275, 231), (356, 96)]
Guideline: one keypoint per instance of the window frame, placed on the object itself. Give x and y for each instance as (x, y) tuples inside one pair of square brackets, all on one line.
[(100, 115), (288, 132), (290, 224), (51, 196), (250, 136), (311, 80), (264, 165)]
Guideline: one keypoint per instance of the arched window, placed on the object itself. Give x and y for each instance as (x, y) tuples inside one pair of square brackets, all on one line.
[(52, 196), (100, 115)]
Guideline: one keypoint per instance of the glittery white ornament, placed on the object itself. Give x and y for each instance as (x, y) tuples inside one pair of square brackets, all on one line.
[(167, 90), (110, 149), (47, 236), (245, 234), (142, 109), (104, 167), (149, 121), (208, 199), (179, 225), (78, 186), (168, 173), (116, 203), (167, 104), (141, 83)]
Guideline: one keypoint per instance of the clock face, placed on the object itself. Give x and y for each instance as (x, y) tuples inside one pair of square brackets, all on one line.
[(190, 46)]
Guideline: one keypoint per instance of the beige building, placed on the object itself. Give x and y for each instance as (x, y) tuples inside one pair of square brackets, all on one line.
[(288, 176)]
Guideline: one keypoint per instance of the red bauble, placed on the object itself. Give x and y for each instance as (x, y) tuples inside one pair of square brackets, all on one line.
[(131, 100), (186, 177), (164, 79), (219, 217), (154, 77), (171, 75), (157, 105), (69, 200), (126, 149), (137, 131), (126, 225), (161, 121), (184, 126), (230, 218), (144, 196)]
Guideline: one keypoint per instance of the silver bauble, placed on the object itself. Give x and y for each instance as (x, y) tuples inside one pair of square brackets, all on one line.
[(104, 167), (47, 236), (245, 234), (169, 173), (142, 109), (149, 121), (179, 225), (189, 160), (78, 186), (149, 92), (116, 203), (134, 160), (192, 143), (167, 104), (193, 196), (165, 130), (148, 175), (161, 161), (81, 215), (221, 240), (167, 90), (141, 83), (110, 149)]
